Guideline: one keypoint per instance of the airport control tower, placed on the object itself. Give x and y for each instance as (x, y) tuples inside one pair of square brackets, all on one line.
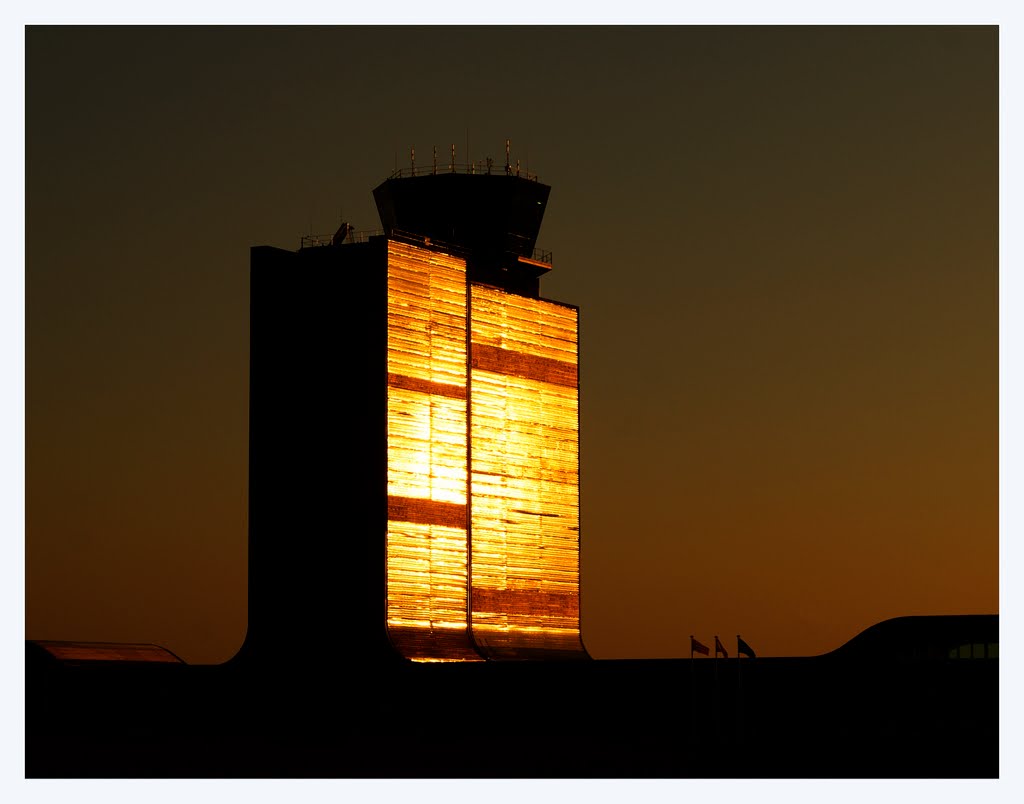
[(415, 432)]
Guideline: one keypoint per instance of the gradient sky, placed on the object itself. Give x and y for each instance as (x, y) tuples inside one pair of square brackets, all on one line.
[(784, 245)]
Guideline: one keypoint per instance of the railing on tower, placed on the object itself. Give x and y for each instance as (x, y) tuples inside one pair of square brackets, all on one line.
[(363, 236), (486, 168)]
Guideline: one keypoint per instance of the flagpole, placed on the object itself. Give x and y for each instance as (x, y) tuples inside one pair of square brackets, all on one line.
[(693, 698), (718, 703), (739, 693)]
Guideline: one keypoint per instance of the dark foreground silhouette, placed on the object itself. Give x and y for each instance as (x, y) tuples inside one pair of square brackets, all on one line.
[(891, 706)]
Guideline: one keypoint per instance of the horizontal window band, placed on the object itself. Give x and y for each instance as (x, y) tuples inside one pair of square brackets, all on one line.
[(526, 601), (528, 367), (426, 512), (426, 386)]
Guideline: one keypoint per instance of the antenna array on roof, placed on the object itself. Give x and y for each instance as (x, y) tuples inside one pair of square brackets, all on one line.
[(468, 166)]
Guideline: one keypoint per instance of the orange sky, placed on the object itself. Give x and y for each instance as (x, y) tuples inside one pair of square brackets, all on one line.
[(783, 243)]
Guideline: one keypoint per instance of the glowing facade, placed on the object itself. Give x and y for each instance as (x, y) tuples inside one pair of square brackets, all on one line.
[(483, 466), (427, 537), (482, 554), (524, 456)]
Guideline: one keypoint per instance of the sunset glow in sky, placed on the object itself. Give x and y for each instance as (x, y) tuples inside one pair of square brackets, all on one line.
[(783, 243)]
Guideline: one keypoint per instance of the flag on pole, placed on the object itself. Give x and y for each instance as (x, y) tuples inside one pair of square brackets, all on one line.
[(698, 647), (742, 648), (720, 648)]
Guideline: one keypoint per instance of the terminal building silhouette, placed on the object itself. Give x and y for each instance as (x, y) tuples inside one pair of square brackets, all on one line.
[(414, 559)]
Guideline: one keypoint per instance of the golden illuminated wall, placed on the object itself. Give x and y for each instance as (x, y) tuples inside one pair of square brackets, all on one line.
[(495, 575), (524, 454), (427, 542)]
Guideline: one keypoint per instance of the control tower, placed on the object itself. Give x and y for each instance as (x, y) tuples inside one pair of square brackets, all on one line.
[(414, 420)]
